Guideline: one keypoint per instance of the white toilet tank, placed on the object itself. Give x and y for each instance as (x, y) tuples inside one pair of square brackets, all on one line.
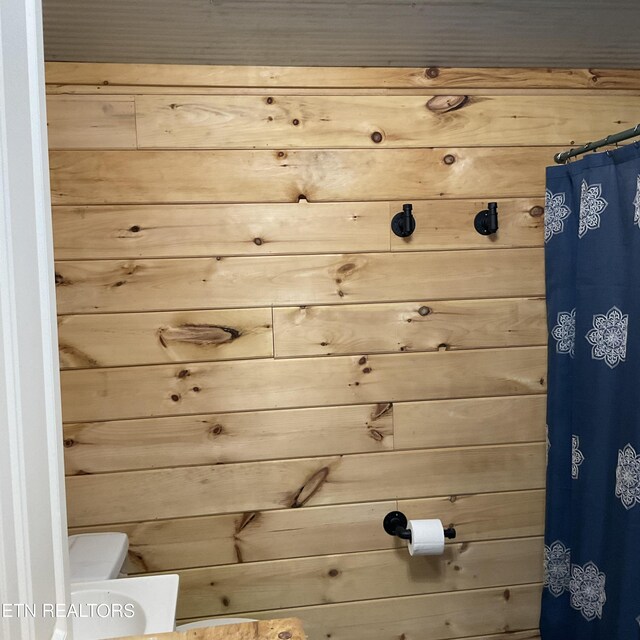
[(97, 556)]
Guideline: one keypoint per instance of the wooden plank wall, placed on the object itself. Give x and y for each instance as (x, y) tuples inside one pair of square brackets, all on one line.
[(255, 370)]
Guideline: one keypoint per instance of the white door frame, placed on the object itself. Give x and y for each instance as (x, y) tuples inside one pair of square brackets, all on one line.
[(33, 539)]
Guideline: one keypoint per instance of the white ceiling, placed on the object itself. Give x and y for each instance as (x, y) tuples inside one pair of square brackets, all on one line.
[(472, 33)]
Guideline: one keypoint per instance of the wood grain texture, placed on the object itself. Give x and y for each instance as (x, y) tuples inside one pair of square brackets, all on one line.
[(181, 389), (342, 578), (409, 326), (267, 535), (254, 486), (205, 283), (474, 516), (254, 536), (99, 447), (91, 122), (451, 423), (438, 616), (254, 122), (291, 629), (448, 224), (146, 177), (170, 231), (146, 338), (350, 77)]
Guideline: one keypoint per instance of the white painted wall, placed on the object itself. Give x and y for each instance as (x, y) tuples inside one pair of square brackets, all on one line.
[(32, 508)]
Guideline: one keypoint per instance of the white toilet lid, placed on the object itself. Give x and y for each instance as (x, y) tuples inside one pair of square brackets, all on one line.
[(216, 622)]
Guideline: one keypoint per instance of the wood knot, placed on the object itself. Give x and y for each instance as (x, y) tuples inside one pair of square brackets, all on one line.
[(432, 72), (216, 430), (175, 397), (225, 601), (376, 136), (61, 280), (536, 211), (449, 159), (346, 268), (333, 573), (295, 122), (424, 311), (443, 104), (196, 389), (363, 360), (68, 442), (443, 346), (134, 229), (376, 435), (257, 241), (284, 635), (184, 373), (506, 594), (269, 100), (367, 370), (309, 488), (282, 154)]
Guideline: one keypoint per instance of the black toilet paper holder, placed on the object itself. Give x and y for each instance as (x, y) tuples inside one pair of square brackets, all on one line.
[(395, 524)]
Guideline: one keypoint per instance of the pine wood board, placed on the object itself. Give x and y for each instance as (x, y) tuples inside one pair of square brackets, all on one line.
[(452, 423), (254, 486), (171, 231), (91, 122), (351, 77), (255, 536), (150, 231), (282, 629), (319, 175), (258, 122), (106, 340), (409, 326), (490, 516), (438, 616), (248, 385), (95, 286), (148, 443), (166, 90), (299, 582)]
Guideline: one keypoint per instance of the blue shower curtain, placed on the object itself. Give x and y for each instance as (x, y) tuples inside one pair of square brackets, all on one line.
[(592, 539)]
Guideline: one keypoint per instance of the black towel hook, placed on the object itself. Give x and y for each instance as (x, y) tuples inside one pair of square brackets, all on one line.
[(486, 221), (403, 223)]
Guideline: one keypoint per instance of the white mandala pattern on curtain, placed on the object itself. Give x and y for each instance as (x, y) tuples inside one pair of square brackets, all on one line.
[(577, 458), (609, 337), (587, 590), (636, 203), (555, 213), (557, 567), (564, 332), (628, 477), (592, 204)]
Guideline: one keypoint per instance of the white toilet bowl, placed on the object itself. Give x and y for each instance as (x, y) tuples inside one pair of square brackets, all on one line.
[(100, 556)]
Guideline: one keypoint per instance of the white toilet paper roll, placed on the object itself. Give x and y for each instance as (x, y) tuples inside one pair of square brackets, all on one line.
[(427, 537)]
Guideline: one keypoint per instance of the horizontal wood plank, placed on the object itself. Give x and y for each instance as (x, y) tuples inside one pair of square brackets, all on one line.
[(440, 616), (327, 579), (448, 224), (267, 535), (181, 389), (98, 447), (409, 326), (254, 486), (146, 338), (452, 423), (252, 76), (208, 283), (146, 177), (168, 231), (91, 122), (255, 122), (254, 536), (475, 516)]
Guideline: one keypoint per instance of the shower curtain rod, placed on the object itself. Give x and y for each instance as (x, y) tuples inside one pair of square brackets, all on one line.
[(614, 138)]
